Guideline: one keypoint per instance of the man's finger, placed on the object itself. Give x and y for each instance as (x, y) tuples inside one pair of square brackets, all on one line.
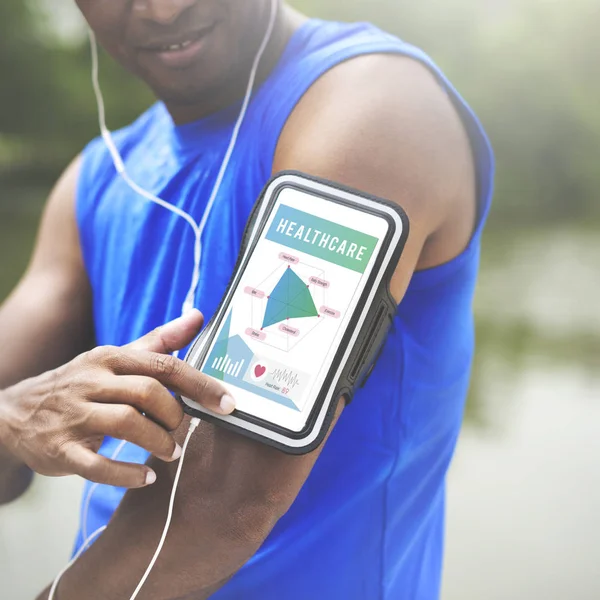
[(176, 375), (124, 422), (99, 469), (144, 393), (173, 336)]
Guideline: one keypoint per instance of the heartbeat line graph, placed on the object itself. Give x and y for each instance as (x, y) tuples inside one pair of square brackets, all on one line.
[(283, 376)]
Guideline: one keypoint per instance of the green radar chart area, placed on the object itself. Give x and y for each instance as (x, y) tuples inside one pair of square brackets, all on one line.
[(290, 299)]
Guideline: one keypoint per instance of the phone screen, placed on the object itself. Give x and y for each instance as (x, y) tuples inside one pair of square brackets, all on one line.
[(292, 306)]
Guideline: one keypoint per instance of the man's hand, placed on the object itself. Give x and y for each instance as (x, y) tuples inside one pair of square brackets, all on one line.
[(55, 423)]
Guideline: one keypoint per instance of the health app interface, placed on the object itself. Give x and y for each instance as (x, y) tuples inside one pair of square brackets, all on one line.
[(292, 306)]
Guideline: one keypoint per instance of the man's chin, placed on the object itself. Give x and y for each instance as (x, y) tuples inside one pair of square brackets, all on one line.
[(175, 97), (186, 90)]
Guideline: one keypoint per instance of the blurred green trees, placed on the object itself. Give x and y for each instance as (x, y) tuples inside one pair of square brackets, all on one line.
[(530, 68), (47, 110)]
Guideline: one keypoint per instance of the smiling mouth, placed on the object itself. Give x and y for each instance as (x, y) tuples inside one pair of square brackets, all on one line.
[(175, 47), (185, 42)]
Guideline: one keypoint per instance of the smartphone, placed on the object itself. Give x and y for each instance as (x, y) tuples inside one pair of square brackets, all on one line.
[(306, 311)]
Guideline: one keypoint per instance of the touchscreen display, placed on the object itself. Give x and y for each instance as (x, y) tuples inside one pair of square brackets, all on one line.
[(292, 306)]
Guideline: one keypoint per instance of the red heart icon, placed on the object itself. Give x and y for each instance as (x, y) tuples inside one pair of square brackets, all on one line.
[(259, 371)]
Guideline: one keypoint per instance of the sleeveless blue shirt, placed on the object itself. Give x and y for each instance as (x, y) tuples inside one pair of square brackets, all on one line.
[(369, 522)]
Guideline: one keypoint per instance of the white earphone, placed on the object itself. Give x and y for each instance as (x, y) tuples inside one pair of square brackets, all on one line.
[(188, 304)]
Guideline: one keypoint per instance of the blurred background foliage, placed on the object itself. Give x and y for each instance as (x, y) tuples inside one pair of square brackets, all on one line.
[(48, 113), (530, 68)]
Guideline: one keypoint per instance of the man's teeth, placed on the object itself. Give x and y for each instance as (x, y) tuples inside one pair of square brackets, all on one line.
[(176, 47)]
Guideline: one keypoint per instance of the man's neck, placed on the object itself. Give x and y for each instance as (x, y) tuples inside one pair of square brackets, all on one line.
[(288, 21)]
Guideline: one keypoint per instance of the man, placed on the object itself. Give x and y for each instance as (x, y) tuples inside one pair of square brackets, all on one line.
[(361, 517)]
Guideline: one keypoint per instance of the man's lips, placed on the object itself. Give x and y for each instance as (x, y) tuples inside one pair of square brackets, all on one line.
[(178, 42), (180, 51)]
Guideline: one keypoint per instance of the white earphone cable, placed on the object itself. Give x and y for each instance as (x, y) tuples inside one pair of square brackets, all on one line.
[(122, 171), (232, 144), (81, 550), (93, 488), (193, 426), (119, 164), (246, 103), (188, 304)]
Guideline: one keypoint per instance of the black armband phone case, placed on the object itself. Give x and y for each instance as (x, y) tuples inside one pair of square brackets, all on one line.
[(364, 332)]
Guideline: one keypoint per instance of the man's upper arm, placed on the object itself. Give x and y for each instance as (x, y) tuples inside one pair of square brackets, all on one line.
[(394, 136), (382, 124), (46, 320)]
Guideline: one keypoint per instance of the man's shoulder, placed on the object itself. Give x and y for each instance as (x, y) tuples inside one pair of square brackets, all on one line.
[(377, 111), (388, 124)]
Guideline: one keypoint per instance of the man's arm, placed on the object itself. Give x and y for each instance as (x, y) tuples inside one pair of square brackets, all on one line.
[(47, 320), (380, 124)]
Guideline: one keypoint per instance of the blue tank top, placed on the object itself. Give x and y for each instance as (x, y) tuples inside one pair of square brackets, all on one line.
[(369, 522)]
